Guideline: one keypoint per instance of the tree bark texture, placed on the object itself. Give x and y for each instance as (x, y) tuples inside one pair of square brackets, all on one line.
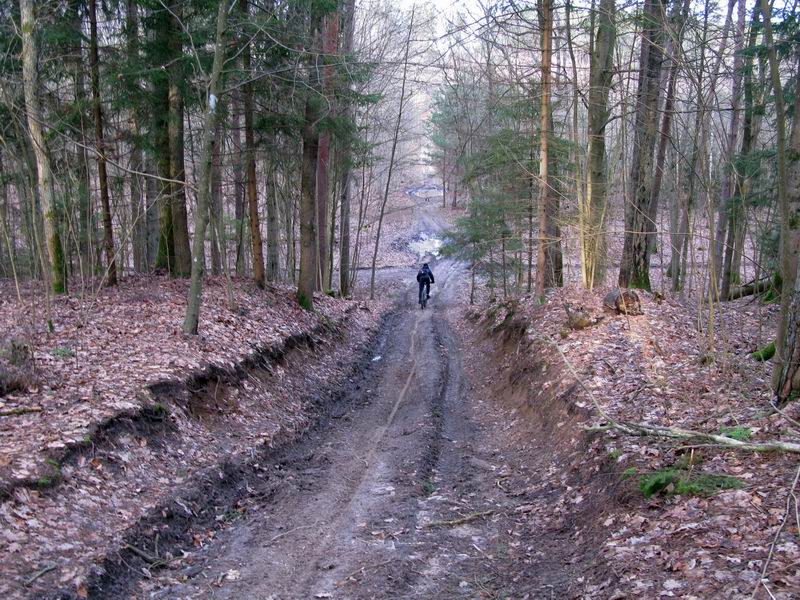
[(635, 265), (56, 268), (548, 261), (593, 209)]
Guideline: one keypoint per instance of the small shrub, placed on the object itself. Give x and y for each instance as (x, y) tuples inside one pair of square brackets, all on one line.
[(19, 354), (12, 379), (629, 472), (703, 484), (427, 487), (614, 454)]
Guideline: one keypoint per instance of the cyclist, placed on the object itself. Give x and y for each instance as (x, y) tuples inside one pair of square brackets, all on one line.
[(425, 279)]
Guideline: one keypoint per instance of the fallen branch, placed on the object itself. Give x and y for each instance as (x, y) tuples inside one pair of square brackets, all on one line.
[(285, 533), (152, 561), (364, 568), (44, 571), (461, 521), (11, 412), (642, 430)]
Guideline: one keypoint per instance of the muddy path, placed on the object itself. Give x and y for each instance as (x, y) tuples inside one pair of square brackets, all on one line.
[(396, 494)]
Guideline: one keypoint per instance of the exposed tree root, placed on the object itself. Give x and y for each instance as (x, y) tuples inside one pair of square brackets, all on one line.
[(11, 412)]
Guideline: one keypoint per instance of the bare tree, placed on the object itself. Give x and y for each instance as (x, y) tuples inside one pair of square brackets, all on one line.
[(201, 215)]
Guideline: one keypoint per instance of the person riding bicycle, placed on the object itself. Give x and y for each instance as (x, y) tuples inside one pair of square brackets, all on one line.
[(425, 279)]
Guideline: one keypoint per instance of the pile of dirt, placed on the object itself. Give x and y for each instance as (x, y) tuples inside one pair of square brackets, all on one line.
[(646, 516), (116, 473)]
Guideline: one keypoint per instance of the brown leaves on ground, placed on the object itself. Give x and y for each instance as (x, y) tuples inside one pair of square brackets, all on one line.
[(112, 354), (664, 368)]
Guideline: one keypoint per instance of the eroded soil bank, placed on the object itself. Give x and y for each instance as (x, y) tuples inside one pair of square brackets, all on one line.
[(175, 456)]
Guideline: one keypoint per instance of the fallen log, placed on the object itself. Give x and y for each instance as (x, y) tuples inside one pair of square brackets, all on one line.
[(751, 289)]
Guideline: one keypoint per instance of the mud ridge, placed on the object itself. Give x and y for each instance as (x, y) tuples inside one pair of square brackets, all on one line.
[(152, 417), (550, 421), (215, 494)]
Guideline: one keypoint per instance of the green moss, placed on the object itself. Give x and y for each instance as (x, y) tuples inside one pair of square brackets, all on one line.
[(63, 352), (766, 353), (629, 472), (304, 301), (640, 280), (736, 433), (614, 454), (678, 482), (427, 487)]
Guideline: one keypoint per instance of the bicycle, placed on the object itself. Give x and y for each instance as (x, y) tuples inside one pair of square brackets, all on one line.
[(424, 296)]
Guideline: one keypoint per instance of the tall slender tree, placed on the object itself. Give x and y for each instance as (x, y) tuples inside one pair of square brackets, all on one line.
[(593, 210), (250, 162), (202, 214), (97, 111), (548, 260), (56, 270)]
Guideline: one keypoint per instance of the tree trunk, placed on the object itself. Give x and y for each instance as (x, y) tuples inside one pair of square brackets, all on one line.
[(330, 34), (309, 250), (165, 257), (217, 239), (724, 208), (788, 381), (273, 235), (345, 156), (635, 265), (787, 207), (593, 208), (741, 183), (308, 208), (250, 158), (81, 154), (97, 111), (57, 274), (675, 44), (548, 262), (788, 378), (238, 180), (151, 213), (201, 215), (180, 222)]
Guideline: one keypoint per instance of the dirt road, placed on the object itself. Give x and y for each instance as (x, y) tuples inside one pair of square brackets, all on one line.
[(394, 495)]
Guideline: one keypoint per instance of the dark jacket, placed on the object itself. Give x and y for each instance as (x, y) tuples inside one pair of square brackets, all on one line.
[(425, 275)]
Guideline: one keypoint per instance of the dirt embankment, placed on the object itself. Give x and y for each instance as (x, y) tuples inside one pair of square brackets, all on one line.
[(643, 516), (115, 477)]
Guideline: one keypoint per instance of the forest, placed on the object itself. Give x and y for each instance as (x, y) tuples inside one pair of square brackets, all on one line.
[(211, 214)]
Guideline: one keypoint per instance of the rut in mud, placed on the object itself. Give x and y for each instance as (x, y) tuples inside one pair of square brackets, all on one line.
[(394, 495), (409, 487)]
